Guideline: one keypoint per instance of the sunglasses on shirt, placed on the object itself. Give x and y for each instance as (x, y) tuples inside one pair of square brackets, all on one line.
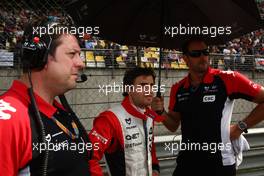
[(198, 53)]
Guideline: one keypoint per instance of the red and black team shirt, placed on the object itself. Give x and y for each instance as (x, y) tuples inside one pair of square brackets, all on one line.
[(17, 141), (206, 110)]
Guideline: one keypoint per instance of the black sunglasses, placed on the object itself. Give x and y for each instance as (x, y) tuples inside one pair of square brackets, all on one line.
[(198, 53)]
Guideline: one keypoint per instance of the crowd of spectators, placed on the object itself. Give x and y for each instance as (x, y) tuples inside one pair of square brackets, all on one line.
[(252, 43), (14, 16), (12, 21)]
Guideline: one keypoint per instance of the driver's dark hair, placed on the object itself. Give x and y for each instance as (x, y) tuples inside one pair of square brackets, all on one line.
[(132, 74)]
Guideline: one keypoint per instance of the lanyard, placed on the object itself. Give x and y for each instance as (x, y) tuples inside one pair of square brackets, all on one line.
[(68, 132)]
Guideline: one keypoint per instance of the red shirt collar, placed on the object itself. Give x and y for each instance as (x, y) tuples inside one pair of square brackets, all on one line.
[(134, 112), (22, 91), (208, 78)]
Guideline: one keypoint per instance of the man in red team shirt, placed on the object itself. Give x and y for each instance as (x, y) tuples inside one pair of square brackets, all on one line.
[(125, 132), (50, 67), (202, 103)]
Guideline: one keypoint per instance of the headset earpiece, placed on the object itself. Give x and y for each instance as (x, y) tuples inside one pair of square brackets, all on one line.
[(34, 52)]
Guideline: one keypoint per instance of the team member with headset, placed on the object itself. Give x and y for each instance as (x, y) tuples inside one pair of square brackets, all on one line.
[(38, 135)]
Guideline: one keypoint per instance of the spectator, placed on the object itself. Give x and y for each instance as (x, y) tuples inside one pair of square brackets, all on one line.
[(229, 57)]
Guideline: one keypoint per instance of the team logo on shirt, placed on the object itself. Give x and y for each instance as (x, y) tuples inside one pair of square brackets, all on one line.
[(128, 121), (132, 136), (210, 89), (206, 88), (252, 84), (214, 87), (4, 106), (209, 98), (100, 137), (228, 72)]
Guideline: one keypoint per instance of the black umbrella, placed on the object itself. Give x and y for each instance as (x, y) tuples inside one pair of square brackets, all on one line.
[(166, 23)]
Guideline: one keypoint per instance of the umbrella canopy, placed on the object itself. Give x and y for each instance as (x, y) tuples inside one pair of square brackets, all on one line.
[(166, 23)]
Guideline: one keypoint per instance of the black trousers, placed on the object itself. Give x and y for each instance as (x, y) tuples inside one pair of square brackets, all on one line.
[(189, 164)]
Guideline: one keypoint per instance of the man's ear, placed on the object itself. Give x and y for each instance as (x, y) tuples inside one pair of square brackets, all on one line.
[(130, 91), (49, 59), (186, 59)]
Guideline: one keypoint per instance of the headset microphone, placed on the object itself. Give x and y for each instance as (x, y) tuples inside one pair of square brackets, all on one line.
[(81, 78)]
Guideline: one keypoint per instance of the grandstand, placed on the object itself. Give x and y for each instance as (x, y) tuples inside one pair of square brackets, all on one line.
[(15, 14)]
